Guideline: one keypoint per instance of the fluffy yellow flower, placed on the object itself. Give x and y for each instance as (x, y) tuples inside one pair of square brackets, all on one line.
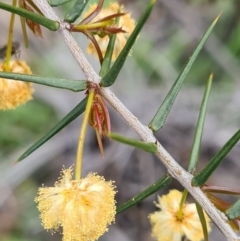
[(166, 226), (125, 21), (14, 93), (83, 208)]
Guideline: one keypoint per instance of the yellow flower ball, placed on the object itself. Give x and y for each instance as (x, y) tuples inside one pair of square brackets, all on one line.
[(166, 225), (83, 208), (14, 93)]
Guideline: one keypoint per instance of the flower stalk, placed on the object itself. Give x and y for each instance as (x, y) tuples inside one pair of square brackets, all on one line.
[(83, 131), (10, 39), (182, 202)]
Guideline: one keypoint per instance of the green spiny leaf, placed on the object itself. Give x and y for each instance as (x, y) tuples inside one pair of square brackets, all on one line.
[(106, 64), (203, 221), (161, 183), (203, 176), (55, 3), (37, 18), (74, 85), (76, 11), (112, 74), (72, 115), (146, 146), (199, 129), (234, 211), (159, 119)]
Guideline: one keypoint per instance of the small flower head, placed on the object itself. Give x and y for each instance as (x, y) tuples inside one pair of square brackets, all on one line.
[(14, 93), (82, 208), (166, 225), (126, 25)]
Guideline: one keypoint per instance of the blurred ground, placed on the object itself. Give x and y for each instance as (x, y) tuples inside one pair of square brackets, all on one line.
[(168, 39)]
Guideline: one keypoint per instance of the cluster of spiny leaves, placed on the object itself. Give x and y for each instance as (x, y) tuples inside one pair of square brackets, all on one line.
[(109, 73)]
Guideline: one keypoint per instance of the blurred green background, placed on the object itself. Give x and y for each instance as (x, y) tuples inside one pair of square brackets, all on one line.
[(161, 51)]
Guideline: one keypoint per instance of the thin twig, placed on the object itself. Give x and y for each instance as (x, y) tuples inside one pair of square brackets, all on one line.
[(143, 131)]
